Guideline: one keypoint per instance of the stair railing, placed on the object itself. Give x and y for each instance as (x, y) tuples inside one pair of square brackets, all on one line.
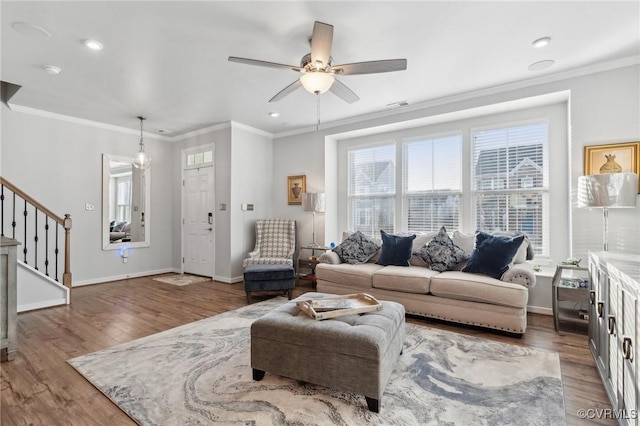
[(26, 220)]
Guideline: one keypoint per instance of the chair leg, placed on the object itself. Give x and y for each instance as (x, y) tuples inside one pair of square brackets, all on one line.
[(258, 375), (248, 299), (373, 404)]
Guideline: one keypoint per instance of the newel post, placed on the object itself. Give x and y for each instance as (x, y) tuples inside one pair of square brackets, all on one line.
[(66, 276)]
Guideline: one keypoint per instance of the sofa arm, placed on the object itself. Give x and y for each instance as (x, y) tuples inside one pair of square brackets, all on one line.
[(520, 273), (330, 257)]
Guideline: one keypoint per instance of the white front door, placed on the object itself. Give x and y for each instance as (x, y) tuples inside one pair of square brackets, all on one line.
[(199, 221)]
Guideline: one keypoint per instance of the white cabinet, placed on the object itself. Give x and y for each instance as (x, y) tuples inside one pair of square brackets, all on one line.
[(614, 331), (8, 298)]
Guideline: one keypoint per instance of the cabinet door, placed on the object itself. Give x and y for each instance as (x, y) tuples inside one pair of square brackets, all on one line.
[(628, 351), (614, 328), (594, 341), (602, 309)]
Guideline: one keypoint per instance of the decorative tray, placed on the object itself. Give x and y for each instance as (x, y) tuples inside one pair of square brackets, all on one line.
[(337, 306)]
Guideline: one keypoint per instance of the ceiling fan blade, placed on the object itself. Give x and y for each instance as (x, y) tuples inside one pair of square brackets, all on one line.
[(287, 91), (343, 92), (371, 67), (263, 63), (321, 41)]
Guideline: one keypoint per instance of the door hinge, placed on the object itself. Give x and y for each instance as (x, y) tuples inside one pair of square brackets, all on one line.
[(183, 260), (182, 182), (183, 220)]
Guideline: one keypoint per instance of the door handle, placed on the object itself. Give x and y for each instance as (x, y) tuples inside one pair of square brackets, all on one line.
[(611, 324), (600, 308), (627, 348), (209, 228)]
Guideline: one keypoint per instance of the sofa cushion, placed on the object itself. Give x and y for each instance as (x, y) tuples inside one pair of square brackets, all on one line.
[(441, 254), (356, 248), (407, 280), (396, 249), (493, 254), (348, 275), (478, 288), (465, 241)]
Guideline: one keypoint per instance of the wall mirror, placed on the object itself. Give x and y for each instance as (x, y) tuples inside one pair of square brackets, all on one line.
[(125, 203)]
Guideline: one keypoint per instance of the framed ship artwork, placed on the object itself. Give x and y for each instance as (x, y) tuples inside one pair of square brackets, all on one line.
[(296, 186), (612, 158)]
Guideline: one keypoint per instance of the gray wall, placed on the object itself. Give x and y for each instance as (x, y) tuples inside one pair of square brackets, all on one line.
[(59, 163)]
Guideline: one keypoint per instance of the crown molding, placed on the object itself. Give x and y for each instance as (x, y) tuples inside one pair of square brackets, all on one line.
[(84, 122)]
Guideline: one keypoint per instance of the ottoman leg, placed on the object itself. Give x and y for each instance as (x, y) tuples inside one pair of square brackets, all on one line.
[(290, 293), (248, 299), (372, 403), (258, 375)]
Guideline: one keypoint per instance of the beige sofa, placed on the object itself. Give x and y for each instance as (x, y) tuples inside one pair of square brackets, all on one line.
[(451, 295)]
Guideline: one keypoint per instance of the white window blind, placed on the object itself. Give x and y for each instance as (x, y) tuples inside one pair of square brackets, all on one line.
[(432, 187), (372, 188), (510, 181)]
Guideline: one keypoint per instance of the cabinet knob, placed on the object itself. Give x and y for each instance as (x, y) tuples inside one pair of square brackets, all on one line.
[(627, 348), (611, 324), (600, 309), (592, 297)]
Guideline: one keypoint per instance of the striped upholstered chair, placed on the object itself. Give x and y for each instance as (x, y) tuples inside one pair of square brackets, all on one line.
[(275, 243)]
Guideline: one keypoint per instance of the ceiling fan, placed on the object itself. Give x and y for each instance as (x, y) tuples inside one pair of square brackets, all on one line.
[(317, 69)]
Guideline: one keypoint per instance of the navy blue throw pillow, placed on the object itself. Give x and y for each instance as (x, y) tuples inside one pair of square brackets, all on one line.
[(493, 254), (396, 249)]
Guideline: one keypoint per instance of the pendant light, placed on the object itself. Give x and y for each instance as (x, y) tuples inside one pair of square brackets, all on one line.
[(142, 160)]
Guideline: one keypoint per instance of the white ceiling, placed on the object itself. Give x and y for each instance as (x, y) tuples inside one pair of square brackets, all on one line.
[(168, 60)]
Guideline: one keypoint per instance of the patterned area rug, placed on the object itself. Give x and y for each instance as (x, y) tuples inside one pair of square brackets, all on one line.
[(180, 280), (200, 374)]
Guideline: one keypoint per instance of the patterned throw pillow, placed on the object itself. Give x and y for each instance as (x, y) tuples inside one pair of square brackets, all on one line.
[(441, 254), (396, 249), (357, 248), (493, 254)]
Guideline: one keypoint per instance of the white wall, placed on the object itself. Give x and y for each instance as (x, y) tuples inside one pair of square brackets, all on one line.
[(59, 163), (251, 183)]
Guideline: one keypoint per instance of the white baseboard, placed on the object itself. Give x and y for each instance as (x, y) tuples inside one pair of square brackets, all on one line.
[(41, 305), (123, 277), (228, 280), (539, 310)]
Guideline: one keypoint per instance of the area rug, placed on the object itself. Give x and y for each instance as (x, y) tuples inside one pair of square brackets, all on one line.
[(200, 374), (180, 280)]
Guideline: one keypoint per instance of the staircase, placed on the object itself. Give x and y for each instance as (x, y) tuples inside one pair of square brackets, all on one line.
[(44, 256)]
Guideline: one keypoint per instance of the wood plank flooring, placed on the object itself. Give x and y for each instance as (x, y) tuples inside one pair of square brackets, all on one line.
[(40, 388)]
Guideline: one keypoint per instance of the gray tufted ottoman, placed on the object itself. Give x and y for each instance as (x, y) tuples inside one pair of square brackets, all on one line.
[(353, 353)]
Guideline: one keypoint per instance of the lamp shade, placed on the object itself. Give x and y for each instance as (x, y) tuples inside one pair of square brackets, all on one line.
[(613, 190), (314, 202), (317, 81)]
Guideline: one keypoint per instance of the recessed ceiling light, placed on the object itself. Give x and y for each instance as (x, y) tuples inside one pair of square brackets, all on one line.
[(541, 42), (541, 65), (93, 44), (52, 70), (31, 30), (274, 114)]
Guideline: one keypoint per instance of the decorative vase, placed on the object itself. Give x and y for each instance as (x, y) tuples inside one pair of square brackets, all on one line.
[(611, 166), (296, 190)]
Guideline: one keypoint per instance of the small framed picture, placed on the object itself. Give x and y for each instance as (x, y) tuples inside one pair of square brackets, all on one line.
[(296, 185), (612, 158)]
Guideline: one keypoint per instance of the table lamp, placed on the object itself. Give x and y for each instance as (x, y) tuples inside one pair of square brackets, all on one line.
[(606, 191), (314, 202)]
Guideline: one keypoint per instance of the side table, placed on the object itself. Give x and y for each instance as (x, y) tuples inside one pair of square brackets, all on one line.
[(570, 295), (308, 263)]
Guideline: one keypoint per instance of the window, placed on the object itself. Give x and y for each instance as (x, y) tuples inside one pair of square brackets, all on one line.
[(372, 188), (432, 173), (510, 181)]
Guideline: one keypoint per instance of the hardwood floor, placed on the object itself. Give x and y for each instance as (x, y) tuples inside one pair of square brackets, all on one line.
[(40, 388)]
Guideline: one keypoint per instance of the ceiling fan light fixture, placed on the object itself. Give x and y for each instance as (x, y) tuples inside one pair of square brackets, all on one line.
[(317, 82)]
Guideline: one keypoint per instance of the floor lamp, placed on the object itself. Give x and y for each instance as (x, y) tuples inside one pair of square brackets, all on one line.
[(314, 202), (607, 191)]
